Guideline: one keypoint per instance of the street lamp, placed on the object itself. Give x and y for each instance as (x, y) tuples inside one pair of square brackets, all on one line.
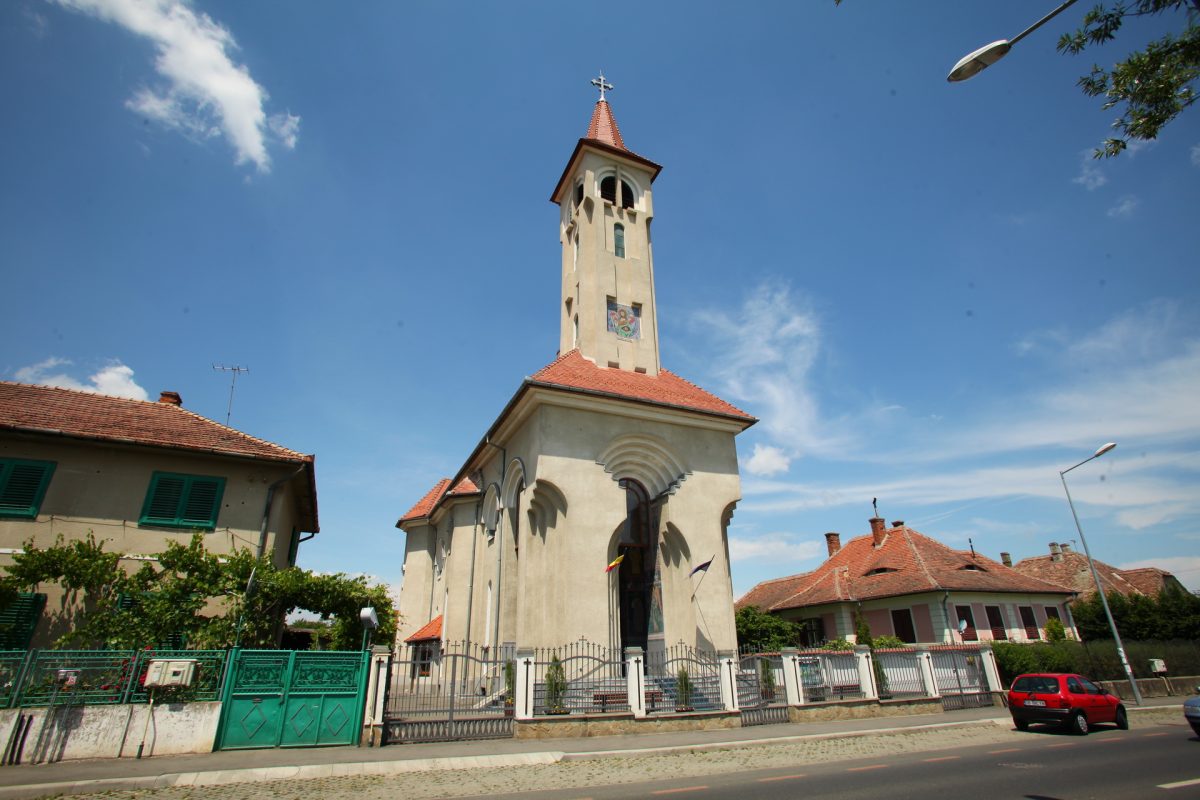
[(972, 64), (1112, 625)]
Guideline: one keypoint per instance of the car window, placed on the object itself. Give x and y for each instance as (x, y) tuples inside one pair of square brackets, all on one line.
[(1090, 687), (1036, 684), (1073, 686)]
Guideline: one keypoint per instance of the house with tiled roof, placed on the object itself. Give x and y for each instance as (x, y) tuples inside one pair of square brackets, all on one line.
[(137, 475), (601, 457), (1066, 567), (908, 585)]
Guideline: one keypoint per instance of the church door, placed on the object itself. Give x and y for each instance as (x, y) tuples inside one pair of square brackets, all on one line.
[(636, 577)]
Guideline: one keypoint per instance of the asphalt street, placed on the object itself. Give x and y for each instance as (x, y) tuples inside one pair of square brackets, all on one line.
[(1159, 761)]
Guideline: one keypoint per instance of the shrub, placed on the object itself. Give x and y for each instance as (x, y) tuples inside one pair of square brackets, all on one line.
[(886, 642), (683, 689), (556, 685)]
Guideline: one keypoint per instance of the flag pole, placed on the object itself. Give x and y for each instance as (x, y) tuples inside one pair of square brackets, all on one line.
[(705, 575)]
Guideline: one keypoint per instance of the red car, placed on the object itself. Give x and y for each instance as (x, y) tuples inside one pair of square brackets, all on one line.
[(1071, 701)]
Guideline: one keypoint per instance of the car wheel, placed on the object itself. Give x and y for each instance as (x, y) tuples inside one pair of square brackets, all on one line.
[(1122, 718), (1078, 724), (1022, 725)]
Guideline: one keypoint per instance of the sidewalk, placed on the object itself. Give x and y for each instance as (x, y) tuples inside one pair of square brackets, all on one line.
[(243, 766)]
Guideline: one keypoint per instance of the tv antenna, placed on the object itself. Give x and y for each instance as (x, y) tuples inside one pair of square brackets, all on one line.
[(236, 370)]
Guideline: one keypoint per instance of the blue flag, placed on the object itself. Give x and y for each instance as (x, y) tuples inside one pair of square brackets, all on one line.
[(702, 568)]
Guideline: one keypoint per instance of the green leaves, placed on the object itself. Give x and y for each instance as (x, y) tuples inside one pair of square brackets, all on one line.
[(1154, 84), (762, 631), (190, 592)]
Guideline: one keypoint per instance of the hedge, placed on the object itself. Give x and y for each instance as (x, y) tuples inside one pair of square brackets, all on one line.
[(1097, 660)]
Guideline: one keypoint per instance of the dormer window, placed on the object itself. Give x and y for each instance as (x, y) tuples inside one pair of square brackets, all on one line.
[(972, 568), (879, 571), (608, 191)]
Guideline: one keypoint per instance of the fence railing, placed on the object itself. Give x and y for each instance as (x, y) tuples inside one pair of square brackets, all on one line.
[(581, 677), (681, 677), (101, 677), (828, 675), (899, 674)]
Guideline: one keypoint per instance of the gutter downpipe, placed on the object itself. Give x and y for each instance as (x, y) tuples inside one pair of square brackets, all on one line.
[(262, 531)]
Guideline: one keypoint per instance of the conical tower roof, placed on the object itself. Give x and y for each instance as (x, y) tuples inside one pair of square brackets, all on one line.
[(603, 127)]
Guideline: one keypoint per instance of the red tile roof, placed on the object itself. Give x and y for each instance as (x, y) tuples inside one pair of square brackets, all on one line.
[(603, 126), (431, 631), (1071, 570), (84, 415), (427, 504), (907, 562), (574, 372)]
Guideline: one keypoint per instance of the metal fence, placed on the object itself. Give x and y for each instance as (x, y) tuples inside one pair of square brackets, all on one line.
[(762, 697), (682, 678), (960, 679), (101, 677), (899, 675), (461, 691), (828, 675), (581, 677)]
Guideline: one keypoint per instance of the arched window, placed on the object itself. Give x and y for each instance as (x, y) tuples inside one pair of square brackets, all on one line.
[(608, 189), (626, 195), (637, 514), (619, 240), (578, 193)]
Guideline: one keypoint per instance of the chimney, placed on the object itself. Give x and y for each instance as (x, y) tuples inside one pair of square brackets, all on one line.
[(833, 541), (1055, 552), (1066, 548), (897, 523), (1006, 559), (170, 398), (878, 531)]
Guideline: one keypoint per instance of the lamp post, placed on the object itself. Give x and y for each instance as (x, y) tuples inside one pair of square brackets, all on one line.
[(1112, 625), (972, 64)]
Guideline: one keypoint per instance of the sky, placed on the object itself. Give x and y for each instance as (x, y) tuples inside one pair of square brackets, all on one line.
[(928, 293)]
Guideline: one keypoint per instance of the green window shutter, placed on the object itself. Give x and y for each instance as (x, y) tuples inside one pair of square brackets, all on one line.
[(22, 486), (182, 501), (19, 620)]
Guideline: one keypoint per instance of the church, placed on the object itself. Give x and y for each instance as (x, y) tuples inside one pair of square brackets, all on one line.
[(597, 504)]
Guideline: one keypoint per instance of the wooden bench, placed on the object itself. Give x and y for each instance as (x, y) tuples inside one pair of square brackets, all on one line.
[(605, 699)]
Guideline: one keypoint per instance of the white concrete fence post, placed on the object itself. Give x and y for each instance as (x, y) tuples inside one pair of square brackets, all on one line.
[(866, 672), (793, 683), (728, 664), (377, 677), (925, 661), (990, 671), (526, 681), (635, 680)]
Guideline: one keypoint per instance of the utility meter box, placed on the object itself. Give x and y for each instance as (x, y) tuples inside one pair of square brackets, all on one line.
[(67, 677), (1158, 666), (174, 672)]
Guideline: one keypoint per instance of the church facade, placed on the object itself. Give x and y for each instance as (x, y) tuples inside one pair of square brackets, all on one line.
[(597, 504)]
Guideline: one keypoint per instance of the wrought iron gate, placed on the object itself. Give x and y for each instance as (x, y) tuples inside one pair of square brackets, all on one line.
[(761, 694), (958, 672), (459, 692), (285, 698)]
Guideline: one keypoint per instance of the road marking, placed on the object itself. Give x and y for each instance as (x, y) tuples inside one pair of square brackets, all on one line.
[(941, 758), (862, 769), (781, 778), (681, 789), (1180, 784), (1006, 750), (1064, 744), (1110, 741), (1151, 735)]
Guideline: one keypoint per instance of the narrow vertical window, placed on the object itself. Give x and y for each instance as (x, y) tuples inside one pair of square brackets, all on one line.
[(619, 240), (626, 195), (608, 189)]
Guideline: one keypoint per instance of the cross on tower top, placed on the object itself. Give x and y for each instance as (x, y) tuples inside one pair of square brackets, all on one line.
[(602, 85)]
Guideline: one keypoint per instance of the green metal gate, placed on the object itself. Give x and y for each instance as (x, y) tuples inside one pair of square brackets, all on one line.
[(284, 698)]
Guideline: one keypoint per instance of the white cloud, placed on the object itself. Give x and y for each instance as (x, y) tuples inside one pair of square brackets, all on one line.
[(763, 352), (38, 23), (767, 460), (1090, 176), (204, 92), (1124, 207), (779, 548), (113, 379)]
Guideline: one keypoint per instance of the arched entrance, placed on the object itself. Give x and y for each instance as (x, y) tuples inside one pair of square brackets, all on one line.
[(635, 580)]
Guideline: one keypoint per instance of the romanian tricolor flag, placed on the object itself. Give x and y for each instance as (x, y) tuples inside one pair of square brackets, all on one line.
[(616, 562)]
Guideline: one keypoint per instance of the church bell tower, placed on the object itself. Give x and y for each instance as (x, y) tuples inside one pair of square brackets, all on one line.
[(608, 305)]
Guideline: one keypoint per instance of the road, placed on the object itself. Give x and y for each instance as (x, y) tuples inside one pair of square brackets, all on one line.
[(1159, 761)]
